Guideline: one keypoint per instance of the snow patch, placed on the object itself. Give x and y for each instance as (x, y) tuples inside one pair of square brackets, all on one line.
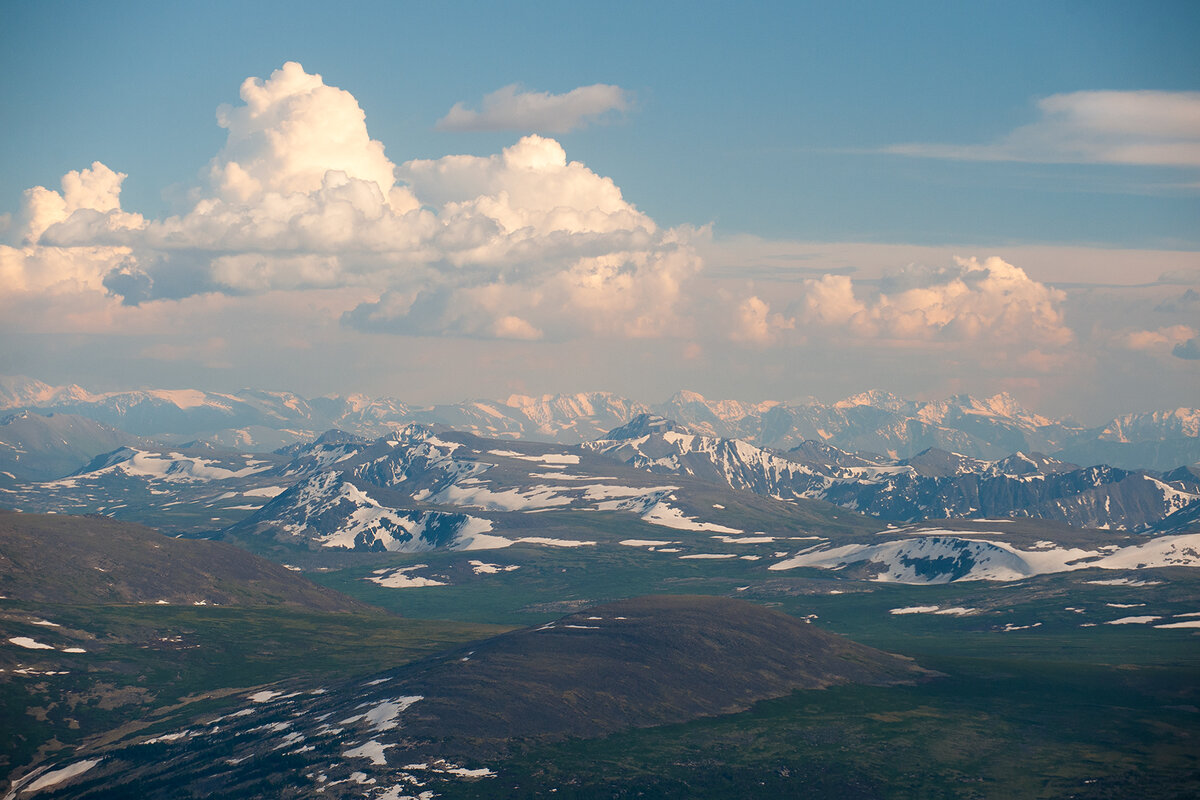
[(482, 568), (914, 610), (400, 579), (265, 491), (745, 539), (943, 559), (29, 644), (55, 777), (370, 749), (668, 517), (385, 716), (263, 696)]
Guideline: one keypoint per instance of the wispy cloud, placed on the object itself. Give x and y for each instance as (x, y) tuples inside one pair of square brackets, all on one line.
[(1149, 128), (510, 109)]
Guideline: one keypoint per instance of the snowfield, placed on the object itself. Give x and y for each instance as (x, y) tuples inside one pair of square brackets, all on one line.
[(400, 579), (171, 468), (948, 558)]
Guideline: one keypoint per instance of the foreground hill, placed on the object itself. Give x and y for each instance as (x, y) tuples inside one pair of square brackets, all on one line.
[(51, 558), (630, 664), (105, 624)]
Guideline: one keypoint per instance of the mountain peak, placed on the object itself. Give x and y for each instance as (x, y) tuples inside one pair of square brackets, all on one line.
[(643, 425), (874, 398), (684, 396)]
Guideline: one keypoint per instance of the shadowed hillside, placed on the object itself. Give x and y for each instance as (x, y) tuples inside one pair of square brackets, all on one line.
[(51, 558), (632, 664)]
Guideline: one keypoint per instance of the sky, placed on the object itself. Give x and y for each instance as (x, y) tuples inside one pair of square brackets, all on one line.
[(758, 201)]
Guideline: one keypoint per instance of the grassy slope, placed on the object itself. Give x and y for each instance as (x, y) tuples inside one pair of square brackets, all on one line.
[(154, 663), (99, 582)]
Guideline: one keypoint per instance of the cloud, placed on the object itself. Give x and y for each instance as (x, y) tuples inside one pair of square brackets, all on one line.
[(1189, 350), (754, 323), (1180, 277), (522, 244), (510, 109), (1139, 127), (969, 302), (97, 190), (1188, 302), (1175, 336), (1183, 341), (290, 132)]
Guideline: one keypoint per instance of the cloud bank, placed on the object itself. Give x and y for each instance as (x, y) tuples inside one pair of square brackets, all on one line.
[(303, 218), (1149, 128), (972, 301), (510, 109)]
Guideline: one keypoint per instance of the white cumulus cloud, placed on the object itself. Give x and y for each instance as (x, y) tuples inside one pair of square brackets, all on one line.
[(522, 244), (291, 131), (970, 301), (510, 109)]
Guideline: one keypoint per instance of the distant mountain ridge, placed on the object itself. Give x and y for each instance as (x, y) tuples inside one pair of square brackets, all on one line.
[(934, 484), (39, 447), (875, 421)]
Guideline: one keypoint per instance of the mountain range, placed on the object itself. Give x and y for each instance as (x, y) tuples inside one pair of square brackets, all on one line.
[(874, 422), (933, 484), (425, 487)]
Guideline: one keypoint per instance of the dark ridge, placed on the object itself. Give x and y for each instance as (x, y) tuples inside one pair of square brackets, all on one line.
[(56, 558), (636, 663)]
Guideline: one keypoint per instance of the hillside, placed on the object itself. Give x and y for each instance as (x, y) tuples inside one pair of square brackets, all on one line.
[(51, 558), (637, 663), (630, 664), (40, 447)]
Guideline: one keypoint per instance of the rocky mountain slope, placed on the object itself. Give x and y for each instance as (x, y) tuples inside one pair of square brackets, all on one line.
[(422, 488), (41, 447), (934, 484)]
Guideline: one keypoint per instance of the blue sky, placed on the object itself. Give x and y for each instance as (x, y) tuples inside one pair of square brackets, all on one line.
[(758, 118), (782, 124)]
